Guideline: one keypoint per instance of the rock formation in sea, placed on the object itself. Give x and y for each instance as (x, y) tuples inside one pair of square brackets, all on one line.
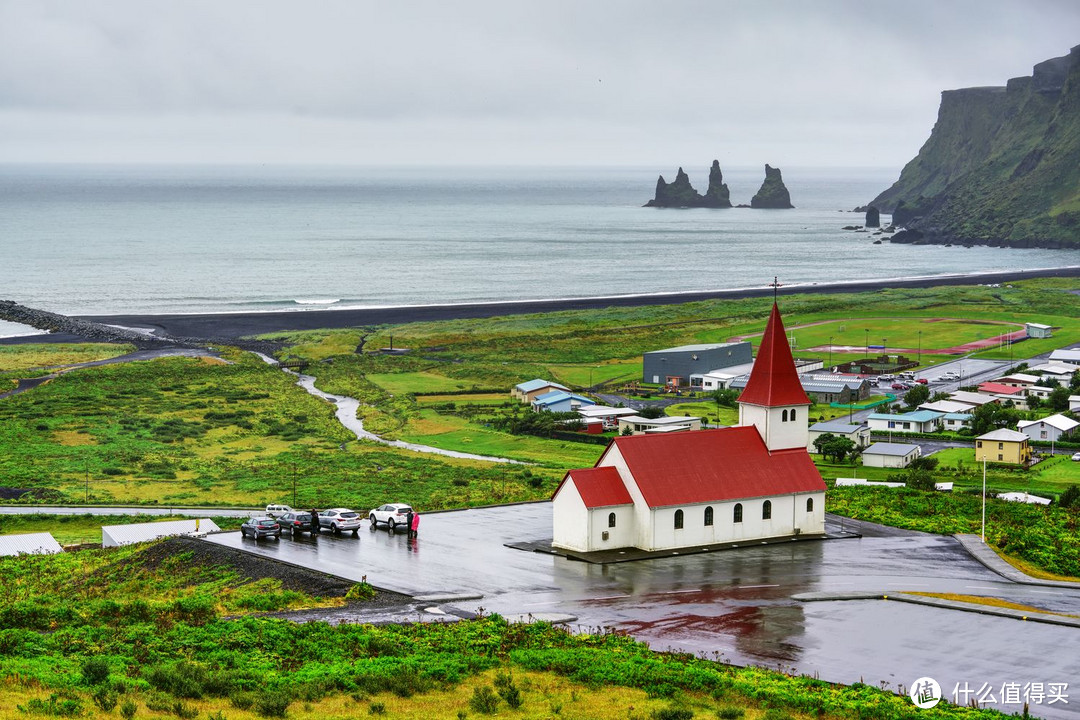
[(681, 194), (773, 194), (717, 196), (1001, 165), (873, 217)]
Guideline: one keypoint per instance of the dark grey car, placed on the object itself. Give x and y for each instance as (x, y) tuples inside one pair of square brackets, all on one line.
[(295, 522), (261, 527)]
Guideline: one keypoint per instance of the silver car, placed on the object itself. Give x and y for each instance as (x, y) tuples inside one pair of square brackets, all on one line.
[(340, 520)]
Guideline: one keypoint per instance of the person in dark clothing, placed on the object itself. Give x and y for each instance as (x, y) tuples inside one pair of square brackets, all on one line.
[(408, 523), (314, 522)]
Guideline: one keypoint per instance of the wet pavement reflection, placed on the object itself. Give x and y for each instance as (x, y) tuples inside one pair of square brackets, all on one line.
[(735, 604)]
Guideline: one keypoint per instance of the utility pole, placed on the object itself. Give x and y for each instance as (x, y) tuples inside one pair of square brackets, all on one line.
[(294, 484), (830, 353), (984, 498), (920, 347)]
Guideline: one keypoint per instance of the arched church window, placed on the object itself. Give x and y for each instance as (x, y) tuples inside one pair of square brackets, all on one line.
[(678, 519), (766, 510), (737, 517), (809, 504), (611, 520), (708, 515), (783, 418), (793, 414)]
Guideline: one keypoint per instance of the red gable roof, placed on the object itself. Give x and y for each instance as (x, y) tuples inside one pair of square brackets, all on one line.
[(598, 487), (713, 465), (992, 387), (774, 381)]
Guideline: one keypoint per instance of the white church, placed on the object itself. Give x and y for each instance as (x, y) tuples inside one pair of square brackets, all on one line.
[(750, 482)]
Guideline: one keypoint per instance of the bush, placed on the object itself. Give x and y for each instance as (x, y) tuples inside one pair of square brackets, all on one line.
[(730, 713), (274, 704), (105, 697), (95, 671), (484, 700), (242, 700), (508, 691), (128, 709), (1070, 498), (673, 713), (55, 705), (377, 708)]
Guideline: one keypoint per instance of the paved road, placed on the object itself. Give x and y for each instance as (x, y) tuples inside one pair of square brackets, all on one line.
[(735, 602), (134, 510)]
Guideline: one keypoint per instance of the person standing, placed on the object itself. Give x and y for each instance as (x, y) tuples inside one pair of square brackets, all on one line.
[(408, 523), (314, 521), (414, 525)]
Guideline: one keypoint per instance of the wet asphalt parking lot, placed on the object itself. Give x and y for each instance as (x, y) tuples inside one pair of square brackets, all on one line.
[(734, 604)]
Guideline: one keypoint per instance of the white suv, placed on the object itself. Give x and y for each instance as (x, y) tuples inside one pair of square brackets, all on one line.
[(393, 514), (340, 520), (275, 510)]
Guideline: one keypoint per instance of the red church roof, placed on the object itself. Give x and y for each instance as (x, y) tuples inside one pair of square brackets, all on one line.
[(712, 466), (774, 380), (598, 487)]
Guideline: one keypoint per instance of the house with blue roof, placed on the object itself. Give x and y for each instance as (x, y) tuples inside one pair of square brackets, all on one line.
[(919, 421), (526, 392), (858, 433), (955, 421), (559, 401)]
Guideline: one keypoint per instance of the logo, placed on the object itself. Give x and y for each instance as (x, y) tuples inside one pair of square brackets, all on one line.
[(925, 693)]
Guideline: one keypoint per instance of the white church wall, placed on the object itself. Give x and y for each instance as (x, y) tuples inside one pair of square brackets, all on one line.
[(778, 433), (571, 519), (620, 536)]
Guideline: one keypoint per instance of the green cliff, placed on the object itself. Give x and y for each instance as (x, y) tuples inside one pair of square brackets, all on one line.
[(1001, 166)]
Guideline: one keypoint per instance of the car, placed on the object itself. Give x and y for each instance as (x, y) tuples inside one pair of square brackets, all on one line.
[(295, 522), (1076, 457), (340, 520), (872, 379), (260, 527), (392, 514), (949, 376), (275, 510), (922, 381), (900, 386), (887, 378)]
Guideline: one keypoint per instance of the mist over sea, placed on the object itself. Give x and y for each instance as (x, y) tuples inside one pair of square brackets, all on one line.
[(186, 239)]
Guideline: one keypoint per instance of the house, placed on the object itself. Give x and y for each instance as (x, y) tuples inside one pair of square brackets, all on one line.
[(1051, 429), (1069, 356), (946, 406), (559, 401), (956, 421), (1020, 380), (1003, 446), (668, 423), (674, 366), (1039, 391), (972, 399), (526, 392), (609, 416), (918, 421), (1005, 393), (1057, 370), (825, 389), (1037, 330), (858, 433), (721, 377), (667, 491), (890, 455), (1074, 403)]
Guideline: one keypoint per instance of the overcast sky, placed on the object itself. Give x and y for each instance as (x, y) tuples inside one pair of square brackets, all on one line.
[(501, 82)]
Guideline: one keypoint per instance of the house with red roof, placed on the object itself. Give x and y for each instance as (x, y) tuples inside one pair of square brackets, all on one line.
[(750, 482)]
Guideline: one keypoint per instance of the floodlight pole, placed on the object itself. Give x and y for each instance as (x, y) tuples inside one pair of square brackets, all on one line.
[(984, 499), (920, 348), (830, 353)]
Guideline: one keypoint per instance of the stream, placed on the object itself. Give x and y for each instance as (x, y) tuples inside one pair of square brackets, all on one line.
[(345, 411)]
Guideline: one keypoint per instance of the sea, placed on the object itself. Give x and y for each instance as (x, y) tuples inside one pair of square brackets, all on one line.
[(143, 239)]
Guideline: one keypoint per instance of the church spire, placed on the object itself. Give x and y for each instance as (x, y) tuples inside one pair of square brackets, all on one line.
[(774, 381)]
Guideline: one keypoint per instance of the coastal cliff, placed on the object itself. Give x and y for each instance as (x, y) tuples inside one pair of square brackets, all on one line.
[(681, 194), (1001, 166)]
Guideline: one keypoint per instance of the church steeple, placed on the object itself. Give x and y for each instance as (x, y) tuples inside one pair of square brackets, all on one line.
[(774, 400)]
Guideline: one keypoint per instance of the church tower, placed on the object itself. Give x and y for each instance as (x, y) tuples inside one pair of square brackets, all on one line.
[(774, 401)]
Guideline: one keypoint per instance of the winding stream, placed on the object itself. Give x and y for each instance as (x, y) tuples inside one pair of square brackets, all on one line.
[(345, 412)]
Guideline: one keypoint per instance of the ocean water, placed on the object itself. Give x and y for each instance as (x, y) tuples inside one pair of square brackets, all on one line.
[(147, 239)]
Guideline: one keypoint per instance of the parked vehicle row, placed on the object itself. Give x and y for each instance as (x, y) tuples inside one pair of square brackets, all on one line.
[(282, 518)]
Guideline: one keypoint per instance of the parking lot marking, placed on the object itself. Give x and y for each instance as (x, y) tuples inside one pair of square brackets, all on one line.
[(751, 587), (678, 592), (980, 587), (609, 597), (1046, 592), (551, 602)]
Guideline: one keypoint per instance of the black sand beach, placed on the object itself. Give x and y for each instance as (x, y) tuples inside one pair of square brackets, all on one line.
[(246, 324)]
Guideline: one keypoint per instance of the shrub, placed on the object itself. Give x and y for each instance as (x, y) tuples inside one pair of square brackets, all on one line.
[(274, 704), (730, 713), (377, 708), (673, 713), (182, 710), (242, 700), (1070, 498), (484, 700), (360, 591), (55, 705), (105, 697), (128, 709), (95, 671)]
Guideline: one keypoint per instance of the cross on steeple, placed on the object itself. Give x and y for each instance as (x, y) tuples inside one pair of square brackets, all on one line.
[(774, 285)]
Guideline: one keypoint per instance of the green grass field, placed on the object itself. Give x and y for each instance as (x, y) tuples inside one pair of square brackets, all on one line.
[(615, 371), (24, 357)]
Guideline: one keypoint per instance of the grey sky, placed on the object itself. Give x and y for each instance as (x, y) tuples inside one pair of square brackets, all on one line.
[(553, 82)]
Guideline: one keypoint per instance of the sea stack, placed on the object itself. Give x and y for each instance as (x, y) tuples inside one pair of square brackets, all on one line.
[(717, 196), (873, 217), (677, 194), (773, 194)]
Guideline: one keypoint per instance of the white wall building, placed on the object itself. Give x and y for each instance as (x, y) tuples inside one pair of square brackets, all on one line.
[(890, 455), (692, 489), (1051, 428)]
